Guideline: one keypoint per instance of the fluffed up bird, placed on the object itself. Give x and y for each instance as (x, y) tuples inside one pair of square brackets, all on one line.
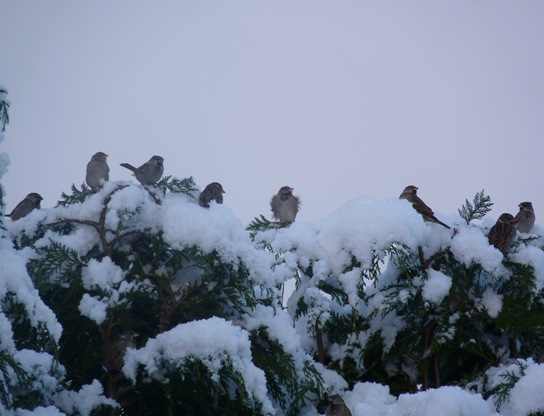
[(26, 206), (213, 192), (115, 352), (410, 194), (285, 205), (502, 234), (150, 172), (525, 218), (336, 407), (98, 171)]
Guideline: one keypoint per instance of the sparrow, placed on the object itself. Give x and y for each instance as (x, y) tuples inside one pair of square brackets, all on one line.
[(502, 234), (410, 194), (150, 172), (525, 218), (98, 170), (23, 208), (336, 407), (115, 352), (214, 191), (285, 205)]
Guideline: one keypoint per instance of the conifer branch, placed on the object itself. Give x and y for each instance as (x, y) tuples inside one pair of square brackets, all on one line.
[(100, 225), (4, 106), (76, 197), (260, 223), (319, 342), (184, 186), (480, 206)]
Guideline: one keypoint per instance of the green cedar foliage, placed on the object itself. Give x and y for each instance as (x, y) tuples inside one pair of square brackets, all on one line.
[(162, 286)]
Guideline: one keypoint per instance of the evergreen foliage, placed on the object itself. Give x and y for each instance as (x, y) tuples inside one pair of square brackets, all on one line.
[(159, 287), (4, 109), (114, 270), (480, 206)]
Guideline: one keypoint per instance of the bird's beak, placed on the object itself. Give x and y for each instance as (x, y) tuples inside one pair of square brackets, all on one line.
[(291, 189)]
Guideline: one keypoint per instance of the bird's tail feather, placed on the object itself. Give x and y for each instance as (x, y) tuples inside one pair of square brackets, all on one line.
[(129, 166)]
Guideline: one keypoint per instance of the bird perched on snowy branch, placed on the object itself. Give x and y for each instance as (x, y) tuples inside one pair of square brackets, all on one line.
[(410, 194), (150, 172)]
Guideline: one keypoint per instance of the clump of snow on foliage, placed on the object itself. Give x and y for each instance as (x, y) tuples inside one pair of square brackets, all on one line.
[(14, 279), (43, 370), (186, 224), (38, 411), (212, 341), (84, 401), (471, 246), (445, 401), (532, 256), (525, 397), (436, 287), (106, 277), (102, 274), (492, 302)]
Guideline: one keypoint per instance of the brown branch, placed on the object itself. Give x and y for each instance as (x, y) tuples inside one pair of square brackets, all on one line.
[(436, 371), (319, 342), (171, 304), (421, 258), (100, 225), (153, 196), (126, 234), (425, 264), (421, 365), (428, 262), (68, 220)]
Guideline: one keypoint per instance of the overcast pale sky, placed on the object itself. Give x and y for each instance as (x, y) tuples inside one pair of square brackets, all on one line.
[(337, 99)]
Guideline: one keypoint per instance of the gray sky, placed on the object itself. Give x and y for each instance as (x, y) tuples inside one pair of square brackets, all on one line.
[(337, 99)]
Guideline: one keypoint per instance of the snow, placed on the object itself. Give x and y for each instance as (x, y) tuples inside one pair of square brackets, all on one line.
[(446, 401), (44, 370), (39, 411), (526, 396), (15, 279), (93, 308), (492, 302), (83, 402), (533, 256), (186, 224), (361, 229), (470, 245), (107, 278), (103, 274), (436, 287), (214, 342)]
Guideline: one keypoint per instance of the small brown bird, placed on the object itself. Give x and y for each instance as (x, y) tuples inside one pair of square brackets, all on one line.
[(525, 218), (150, 172), (336, 407), (285, 205), (114, 353), (213, 192), (410, 194), (502, 234), (98, 171), (26, 206)]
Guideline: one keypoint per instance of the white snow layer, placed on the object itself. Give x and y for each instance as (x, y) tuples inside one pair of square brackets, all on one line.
[(214, 342), (14, 278), (436, 287), (360, 228)]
